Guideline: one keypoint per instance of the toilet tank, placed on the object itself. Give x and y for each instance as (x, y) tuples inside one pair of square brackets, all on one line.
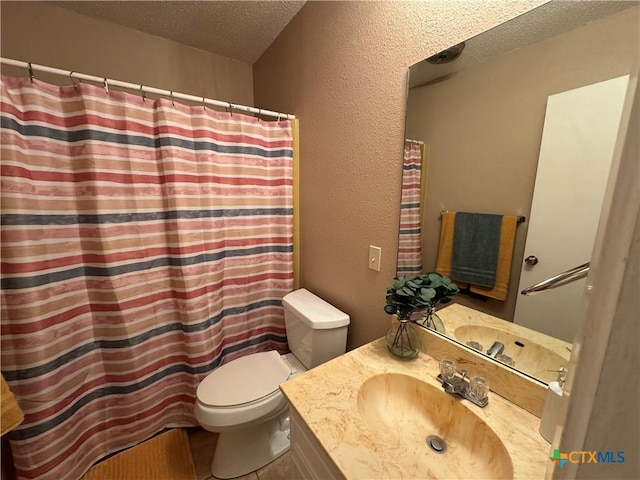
[(316, 330)]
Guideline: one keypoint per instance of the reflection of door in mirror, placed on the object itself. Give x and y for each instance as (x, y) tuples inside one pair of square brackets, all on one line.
[(578, 139)]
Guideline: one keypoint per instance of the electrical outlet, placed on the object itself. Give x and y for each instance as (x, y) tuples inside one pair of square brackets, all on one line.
[(374, 257)]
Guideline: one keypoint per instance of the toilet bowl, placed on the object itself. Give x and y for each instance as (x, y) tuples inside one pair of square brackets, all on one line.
[(252, 418), (242, 401)]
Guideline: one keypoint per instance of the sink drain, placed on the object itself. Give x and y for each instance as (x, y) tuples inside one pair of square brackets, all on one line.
[(436, 444)]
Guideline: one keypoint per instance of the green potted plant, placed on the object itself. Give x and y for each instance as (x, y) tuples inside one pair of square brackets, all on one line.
[(417, 293)]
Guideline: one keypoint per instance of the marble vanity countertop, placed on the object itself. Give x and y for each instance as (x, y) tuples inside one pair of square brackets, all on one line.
[(326, 398)]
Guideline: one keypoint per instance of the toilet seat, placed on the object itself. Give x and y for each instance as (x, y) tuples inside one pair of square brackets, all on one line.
[(244, 381)]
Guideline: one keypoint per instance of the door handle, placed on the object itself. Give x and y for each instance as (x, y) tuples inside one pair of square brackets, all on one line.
[(531, 260)]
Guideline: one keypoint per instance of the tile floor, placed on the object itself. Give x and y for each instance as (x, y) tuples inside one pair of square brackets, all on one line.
[(203, 445)]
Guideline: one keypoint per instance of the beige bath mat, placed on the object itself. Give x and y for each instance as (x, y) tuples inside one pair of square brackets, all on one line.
[(164, 457)]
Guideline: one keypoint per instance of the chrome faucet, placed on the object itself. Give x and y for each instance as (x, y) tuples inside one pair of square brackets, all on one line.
[(496, 349), (455, 385), (475, 391)]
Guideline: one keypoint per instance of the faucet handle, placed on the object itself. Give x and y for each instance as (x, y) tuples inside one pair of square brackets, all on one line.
[(447, 369), (478, 388)]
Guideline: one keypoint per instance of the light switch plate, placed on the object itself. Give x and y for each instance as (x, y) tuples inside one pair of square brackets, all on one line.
[(374, 257)]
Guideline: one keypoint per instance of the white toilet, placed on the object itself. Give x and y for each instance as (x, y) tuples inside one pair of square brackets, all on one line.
[(242, 400)]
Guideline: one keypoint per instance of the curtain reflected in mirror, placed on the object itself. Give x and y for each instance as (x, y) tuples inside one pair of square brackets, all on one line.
[(410, 233)]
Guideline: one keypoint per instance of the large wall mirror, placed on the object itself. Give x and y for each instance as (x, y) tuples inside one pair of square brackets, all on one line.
[(482, 121)]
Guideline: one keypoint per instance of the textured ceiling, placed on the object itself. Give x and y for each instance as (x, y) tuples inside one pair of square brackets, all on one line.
[(241, 30), (543, 22)]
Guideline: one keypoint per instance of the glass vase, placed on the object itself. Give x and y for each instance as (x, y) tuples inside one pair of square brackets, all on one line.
[(403, 340), (428, 319), (433, 322)]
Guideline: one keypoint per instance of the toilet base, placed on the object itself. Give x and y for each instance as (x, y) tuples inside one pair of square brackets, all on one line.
[(245, 450)]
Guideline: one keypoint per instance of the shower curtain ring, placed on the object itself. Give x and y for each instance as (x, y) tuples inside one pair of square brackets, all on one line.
[(204, 104), (73, 81), (30, 72), (106, 86), (172, 101), (142, 94), (230, 109)]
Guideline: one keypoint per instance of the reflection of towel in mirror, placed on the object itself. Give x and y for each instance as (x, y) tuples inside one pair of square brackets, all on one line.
[(474, 256), (10, 415), (505, 255), (443, 262)]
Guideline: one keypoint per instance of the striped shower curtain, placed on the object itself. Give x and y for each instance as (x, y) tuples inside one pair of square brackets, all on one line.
[(143, 244), (410, 238)]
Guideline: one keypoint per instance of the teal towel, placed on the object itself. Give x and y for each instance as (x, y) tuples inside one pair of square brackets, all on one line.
[(476, 241)]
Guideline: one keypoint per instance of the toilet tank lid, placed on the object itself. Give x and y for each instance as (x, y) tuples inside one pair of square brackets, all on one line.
[(314, 311)]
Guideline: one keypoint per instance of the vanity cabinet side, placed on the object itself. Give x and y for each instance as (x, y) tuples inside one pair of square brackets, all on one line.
[(310, 460)]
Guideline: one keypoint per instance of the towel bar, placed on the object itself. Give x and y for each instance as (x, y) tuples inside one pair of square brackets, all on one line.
[(558, 280), (521, 218)]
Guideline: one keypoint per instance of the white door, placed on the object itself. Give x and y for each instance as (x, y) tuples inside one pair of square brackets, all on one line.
[(578, 139)]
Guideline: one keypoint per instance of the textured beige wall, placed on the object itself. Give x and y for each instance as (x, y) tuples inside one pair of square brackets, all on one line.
[(484, 126), (41, 33), (341, 67)]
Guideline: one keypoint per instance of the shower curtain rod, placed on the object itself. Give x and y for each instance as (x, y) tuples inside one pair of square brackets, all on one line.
[(419, 142), (107, 82)]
